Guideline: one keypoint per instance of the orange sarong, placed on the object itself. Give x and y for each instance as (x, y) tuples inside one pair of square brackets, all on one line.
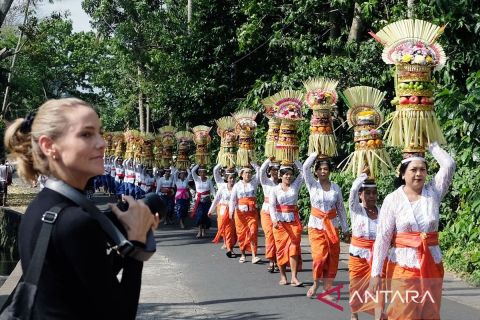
[(287, 237), (246, 225), (406, 282), (359, 275), (325, 254), (267, 226), (426, 281), (226, 228)]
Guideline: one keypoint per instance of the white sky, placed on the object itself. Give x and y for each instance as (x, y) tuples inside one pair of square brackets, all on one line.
[(79, 18)]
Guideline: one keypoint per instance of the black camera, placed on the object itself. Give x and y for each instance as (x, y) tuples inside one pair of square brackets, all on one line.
[(156, 205)]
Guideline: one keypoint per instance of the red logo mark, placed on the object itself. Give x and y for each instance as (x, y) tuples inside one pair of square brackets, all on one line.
[(330, 303)]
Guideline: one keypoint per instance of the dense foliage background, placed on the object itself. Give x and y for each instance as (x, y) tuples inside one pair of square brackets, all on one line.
[(147, 65)]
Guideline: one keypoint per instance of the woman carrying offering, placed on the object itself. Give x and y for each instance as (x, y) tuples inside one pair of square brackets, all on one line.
[(225, 222), (287, 227), (409, 221), (327, 213), (182, 195), (243, 205), (363, 216), (268, 179), (204, 190)]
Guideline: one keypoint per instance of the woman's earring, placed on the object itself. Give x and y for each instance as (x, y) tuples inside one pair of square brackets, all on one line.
[(54, 157)]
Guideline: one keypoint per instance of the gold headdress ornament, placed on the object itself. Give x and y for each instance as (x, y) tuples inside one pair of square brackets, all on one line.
[(273, 127), (146, 155), (363, 115), (132, 142), (185, 141), (411, 45), (157, 150), (227, 155), (288, 109), (245, 128), (321, 97), (108, 137), (167, 134), (202, 140), (118, 141)]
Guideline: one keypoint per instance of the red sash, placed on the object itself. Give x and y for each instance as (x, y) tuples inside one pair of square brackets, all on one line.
[(327, 222), (197, 202)]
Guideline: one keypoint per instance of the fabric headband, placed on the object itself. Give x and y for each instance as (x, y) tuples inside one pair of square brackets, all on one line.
[(369, 185), (286, 167), (411, 159)]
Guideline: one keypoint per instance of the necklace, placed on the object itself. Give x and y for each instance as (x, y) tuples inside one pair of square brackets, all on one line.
[(372, 213)]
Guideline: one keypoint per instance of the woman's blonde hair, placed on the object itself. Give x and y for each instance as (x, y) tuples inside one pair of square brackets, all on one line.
[(22, 143)]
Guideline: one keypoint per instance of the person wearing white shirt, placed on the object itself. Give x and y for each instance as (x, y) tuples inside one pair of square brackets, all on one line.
[(363, 216), (165, 189), (204, 191), (225, 222), (407, 233), (268, 179), (287, 226), (328, 212), (182, 195), (243, 205)]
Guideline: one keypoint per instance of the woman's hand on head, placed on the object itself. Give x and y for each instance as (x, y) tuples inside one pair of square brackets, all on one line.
[(137, 220)]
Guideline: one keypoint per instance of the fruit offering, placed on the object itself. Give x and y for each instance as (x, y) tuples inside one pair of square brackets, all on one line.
[(411, 45)]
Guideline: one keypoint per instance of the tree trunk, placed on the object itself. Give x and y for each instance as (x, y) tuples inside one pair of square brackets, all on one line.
[(4, 7), (12, 65), (334, 28), (410, 5), (189, 13), (141, 110), (147, 120), (357, 25)]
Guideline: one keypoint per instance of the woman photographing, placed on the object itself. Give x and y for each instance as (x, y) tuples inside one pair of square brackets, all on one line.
[(64, 142)]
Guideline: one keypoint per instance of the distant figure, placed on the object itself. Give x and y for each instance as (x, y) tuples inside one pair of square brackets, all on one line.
[(5, 176)]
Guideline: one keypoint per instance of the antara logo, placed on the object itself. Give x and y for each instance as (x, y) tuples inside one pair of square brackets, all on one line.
[(409, 296), (336, 289)]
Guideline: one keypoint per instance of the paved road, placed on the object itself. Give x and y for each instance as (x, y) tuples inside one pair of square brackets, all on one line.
[(193, 279)]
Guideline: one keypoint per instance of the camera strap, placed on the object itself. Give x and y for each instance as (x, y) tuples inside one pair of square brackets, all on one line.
[(121, 244)]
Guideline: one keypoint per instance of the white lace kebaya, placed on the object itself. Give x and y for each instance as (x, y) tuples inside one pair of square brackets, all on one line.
[(398, 214), (222, 197), (324, 200), (362, 225), (200, 185), (243, 190), (290, 197)]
